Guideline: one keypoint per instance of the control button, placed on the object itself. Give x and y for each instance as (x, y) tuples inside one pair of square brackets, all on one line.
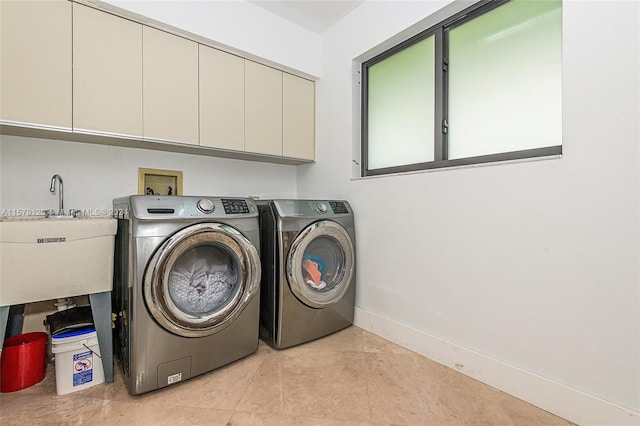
[(206, 206), (338, 207), (232, 206), (321, 207)]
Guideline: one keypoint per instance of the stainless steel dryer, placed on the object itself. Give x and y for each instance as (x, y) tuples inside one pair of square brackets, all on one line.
[(308, 270), (186, 286)]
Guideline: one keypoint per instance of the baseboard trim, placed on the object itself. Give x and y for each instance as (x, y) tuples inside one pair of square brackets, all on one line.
[(556, 398)]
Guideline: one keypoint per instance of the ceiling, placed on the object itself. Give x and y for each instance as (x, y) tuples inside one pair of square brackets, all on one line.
[(316, 16)]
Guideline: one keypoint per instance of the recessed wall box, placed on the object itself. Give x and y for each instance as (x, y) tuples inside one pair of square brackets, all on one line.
[(159, 182)]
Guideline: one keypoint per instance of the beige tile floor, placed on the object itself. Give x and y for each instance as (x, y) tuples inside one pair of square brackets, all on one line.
[(349, 378)]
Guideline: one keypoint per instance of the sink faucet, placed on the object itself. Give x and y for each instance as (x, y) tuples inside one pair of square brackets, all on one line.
[(60, 193)]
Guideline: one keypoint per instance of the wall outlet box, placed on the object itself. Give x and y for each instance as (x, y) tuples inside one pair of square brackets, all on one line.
[(159, 182)]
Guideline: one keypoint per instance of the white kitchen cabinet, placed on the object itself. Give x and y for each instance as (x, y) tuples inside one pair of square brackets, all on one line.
[(170, 87), (35, 59), (298, 117), (221, 99), (263, 109), (107, 73)]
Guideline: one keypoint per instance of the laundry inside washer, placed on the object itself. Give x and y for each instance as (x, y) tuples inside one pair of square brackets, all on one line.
[(203, 279)]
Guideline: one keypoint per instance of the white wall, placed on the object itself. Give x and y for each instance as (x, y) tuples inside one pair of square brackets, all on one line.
[(95, 174), (526, 275)]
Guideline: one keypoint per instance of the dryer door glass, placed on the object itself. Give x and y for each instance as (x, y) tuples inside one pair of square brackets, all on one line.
[(320, 264), (201, 278)]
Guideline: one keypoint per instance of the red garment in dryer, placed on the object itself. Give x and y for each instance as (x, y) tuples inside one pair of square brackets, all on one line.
[(312, 274)]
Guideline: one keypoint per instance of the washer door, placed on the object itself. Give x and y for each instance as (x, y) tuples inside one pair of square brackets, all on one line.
[(320, 264), (201, 278)]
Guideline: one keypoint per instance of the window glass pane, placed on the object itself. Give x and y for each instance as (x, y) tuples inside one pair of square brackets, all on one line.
[(505, 80), (401, 107)]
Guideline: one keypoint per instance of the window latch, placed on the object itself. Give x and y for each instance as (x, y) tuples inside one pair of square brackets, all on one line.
[(445, 64), (445, 127)]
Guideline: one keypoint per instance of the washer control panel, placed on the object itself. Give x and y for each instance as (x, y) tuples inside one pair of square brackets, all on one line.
[(235, 206), (206, 206), (181, 206)]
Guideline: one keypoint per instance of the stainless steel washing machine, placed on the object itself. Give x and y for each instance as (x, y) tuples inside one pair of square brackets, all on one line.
[(186, 286), (308, 270)]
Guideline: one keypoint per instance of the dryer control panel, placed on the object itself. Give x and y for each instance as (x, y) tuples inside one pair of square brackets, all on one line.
[(312, 208), (338, 207)]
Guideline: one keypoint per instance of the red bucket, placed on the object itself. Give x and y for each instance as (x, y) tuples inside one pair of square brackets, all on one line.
[(24, 361)]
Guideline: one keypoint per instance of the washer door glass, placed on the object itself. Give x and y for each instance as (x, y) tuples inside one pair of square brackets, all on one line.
[(320, 264), (201, 278)]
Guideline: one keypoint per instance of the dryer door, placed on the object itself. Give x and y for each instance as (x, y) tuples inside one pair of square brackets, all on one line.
[(320, 264), (201, 278)]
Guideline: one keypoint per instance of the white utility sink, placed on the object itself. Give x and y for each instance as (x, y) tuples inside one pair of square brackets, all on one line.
[(48, 258)]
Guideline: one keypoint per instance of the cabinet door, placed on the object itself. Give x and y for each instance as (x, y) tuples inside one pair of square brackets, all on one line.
[(221, 99), (298, 117), (169, 87), (35, 59), (107, 72), (263, 109)]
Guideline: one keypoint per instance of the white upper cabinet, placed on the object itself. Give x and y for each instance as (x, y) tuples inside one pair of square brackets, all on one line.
[(298, 117), (263, 109), (221, 99), (73, 67), (170, 87), (107, 73), (35, 62)]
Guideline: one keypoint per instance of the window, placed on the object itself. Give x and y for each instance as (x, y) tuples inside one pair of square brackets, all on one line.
[(484, 85)]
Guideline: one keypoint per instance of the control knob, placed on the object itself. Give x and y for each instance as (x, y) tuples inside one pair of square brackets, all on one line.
[(206, 206), (321, 207)]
